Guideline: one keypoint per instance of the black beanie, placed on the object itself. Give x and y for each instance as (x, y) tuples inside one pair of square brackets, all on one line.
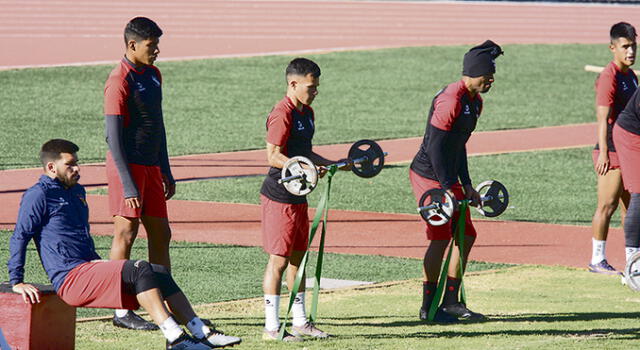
[(479, 60)]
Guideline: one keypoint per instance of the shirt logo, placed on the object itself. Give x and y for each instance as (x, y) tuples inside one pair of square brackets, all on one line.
[(624, 86), (63, 202), (300, 126), (141, 88), (155, 80), (467, 110)]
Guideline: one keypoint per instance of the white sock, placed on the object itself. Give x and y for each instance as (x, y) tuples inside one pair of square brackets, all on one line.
[(298, 311), (198, 328), (597, 253), (121, 312), (171, 329), (630, 251), (271, 309)]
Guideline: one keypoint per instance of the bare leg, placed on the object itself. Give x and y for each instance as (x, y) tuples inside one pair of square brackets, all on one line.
[(151, 300), (159, 236), (292, 270), (432, 262), (609, 193), (124, 234), (272, 281), (454, 264)]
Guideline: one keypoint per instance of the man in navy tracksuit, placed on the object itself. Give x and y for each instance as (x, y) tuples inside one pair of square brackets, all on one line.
[(54, 213)]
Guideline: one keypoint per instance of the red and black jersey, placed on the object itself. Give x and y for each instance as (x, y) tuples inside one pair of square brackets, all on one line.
[(452, 119), (293, 131), (629, 118), (614, 89), (136, 94)]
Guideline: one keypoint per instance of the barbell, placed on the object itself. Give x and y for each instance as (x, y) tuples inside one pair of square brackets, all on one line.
[(300, 176), (437, 205), (632, 272)]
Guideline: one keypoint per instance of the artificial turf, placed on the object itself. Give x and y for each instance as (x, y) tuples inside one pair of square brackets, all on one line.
[(221, 104)]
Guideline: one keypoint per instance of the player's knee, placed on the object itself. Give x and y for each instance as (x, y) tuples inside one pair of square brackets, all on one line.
[(607, 208)]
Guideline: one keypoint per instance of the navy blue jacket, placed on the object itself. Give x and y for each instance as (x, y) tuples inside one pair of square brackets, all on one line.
[(57, 219)]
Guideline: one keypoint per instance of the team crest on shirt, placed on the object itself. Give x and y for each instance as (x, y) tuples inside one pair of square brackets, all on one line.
[(624, 86), (141, 87), (300, 126), (63, 202), (83, 200), (467, 110), (155, 80)]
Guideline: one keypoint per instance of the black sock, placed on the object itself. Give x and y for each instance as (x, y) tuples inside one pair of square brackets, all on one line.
[(451, 291), (428, 293)]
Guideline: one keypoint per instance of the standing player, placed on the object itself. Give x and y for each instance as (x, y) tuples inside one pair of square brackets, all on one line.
[(54, 213), (614, 86), (285, 221), (441, 163), (138, 172)]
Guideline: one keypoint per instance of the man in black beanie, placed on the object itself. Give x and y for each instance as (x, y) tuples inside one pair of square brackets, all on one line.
[(441, 162)]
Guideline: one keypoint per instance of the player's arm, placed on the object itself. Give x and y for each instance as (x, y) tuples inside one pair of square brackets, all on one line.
[(602, 116), (114, 125), (439, 150), (275, 158), (470, 193), (165, 167), (29, 224)]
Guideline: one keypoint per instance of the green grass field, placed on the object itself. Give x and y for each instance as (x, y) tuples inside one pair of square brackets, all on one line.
[(221, 105), (527, 308)]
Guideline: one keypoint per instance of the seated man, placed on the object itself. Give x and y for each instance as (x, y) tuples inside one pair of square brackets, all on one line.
[(54, 213)]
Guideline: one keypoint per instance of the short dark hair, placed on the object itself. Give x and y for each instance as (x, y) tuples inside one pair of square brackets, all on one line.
[(303, 66), (622, 30), (141, 28), (52, 149)]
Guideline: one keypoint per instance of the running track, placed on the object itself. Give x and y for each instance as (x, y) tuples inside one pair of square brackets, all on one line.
[(45, 33)]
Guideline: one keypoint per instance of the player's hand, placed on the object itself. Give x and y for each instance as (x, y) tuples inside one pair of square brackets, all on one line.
[(602, 164), (322, 170), (132, 202), (472, 195), (169, 188), (30, 293)]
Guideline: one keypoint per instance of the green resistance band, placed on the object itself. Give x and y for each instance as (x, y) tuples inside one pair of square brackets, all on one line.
[(459, 238), (321, 213)]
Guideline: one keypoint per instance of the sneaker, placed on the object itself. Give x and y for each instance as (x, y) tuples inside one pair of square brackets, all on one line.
[(132, 321), (273, 335), (309, 330), (439, 317), (460, 311), (217, 339), (604, 268), (185, 342)]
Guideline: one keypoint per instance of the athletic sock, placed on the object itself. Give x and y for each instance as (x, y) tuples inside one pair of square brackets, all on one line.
[(298, 311), (597, 252), (198, 328), (271, 308), (428, 293), (171, 329), (451, 291), (121, 312)]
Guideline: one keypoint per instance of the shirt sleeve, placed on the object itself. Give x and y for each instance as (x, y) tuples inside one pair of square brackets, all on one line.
[(278, 127), (113, 130), (29, 224), (116, 93), (463, 172), (165, 167), (605, 89), (445, 112), (442, 159)]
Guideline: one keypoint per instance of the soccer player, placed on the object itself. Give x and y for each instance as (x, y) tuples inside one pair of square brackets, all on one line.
[(614, 86), (441, 162), (138, 172), (54, 213), (285, 221)]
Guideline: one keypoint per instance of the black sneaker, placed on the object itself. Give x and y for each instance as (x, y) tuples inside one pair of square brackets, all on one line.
[(460, 311), (439, 317), (185, 342), (135, 322)]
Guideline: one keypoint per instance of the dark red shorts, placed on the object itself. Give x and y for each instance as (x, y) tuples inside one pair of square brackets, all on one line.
[(285, 227), (420, 185), (97, 284), (614, 163), (148, 179), (628, 149)]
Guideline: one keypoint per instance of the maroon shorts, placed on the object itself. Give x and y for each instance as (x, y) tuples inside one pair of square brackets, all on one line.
[(285, 227), (628, 149), (97, 284), (444, 232), (148, 179), (614, 163)]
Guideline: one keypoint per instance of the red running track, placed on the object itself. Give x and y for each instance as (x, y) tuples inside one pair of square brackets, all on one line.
[(44, 33)]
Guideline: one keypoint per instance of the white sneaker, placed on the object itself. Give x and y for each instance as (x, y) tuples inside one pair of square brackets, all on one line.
[(217, 339)]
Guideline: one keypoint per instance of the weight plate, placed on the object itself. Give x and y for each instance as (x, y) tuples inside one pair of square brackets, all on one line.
[(497, 198), (308, 176), (373, 161), (445, 206)]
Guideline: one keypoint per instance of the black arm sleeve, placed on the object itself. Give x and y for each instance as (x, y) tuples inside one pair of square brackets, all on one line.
[(113, 127), (441, 158), (165, 168), (463, 171)]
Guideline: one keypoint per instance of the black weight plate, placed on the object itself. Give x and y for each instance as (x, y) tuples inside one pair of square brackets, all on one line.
[(374, 163)]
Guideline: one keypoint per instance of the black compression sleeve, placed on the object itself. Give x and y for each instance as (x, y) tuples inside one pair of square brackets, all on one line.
[(463, 173), (165, 168), (113, 126), (441, 158), (632, 222)]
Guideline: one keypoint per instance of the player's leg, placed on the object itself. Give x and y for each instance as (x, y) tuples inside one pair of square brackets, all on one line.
[(610, 190), (159, 239)]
